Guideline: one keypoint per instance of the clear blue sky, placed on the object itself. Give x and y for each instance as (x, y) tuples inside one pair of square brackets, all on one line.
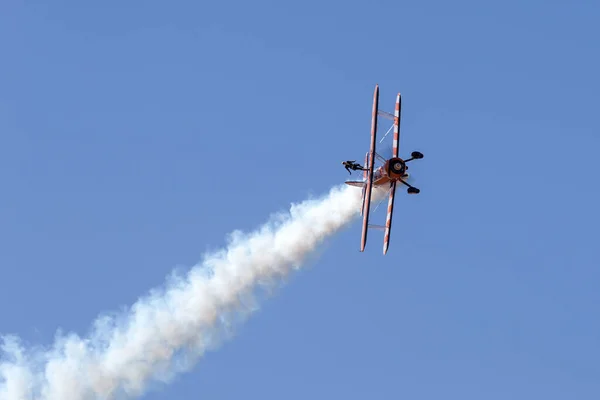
[(135, 135)]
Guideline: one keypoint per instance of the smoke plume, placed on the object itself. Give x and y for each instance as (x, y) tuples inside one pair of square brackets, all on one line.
[(167, 331)]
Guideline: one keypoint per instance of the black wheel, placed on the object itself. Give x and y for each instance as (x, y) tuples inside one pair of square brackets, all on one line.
[(413, 190), (417, 155)]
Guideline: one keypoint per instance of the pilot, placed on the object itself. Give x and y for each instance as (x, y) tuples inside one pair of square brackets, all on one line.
[(352, 165)]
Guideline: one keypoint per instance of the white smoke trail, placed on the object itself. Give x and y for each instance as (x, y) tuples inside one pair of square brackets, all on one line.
[(166, 332)]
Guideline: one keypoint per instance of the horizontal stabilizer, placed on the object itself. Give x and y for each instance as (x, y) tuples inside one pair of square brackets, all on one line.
[(356, 183)]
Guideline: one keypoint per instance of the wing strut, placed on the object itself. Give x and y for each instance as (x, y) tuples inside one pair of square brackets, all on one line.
[(369, 185)]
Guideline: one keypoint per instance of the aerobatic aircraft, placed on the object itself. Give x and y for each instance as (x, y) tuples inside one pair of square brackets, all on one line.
[(387, 175)]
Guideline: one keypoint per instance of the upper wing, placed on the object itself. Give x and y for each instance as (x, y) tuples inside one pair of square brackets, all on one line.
[(369, 183), (364, 186)]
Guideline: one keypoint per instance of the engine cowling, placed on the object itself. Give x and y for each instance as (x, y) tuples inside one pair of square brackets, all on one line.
[(396, 168)]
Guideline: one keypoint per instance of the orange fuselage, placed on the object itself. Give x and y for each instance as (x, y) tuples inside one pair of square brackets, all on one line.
[(392, 170)]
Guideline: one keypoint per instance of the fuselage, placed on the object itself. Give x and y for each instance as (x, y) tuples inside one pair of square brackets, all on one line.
[(393, 170)]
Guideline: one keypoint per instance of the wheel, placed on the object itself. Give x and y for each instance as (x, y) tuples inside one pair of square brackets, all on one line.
[(417, 155), (413, 190)]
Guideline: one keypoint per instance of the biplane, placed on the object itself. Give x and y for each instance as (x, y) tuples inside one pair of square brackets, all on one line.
[(387, 175)]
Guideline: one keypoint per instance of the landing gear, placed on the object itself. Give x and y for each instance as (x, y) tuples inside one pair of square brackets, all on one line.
[(415, 155), (411, 189)]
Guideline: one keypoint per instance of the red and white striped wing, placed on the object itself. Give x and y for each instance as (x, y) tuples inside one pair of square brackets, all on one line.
[(388, 220), (364, 189), (397, 112), (369, 185)]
